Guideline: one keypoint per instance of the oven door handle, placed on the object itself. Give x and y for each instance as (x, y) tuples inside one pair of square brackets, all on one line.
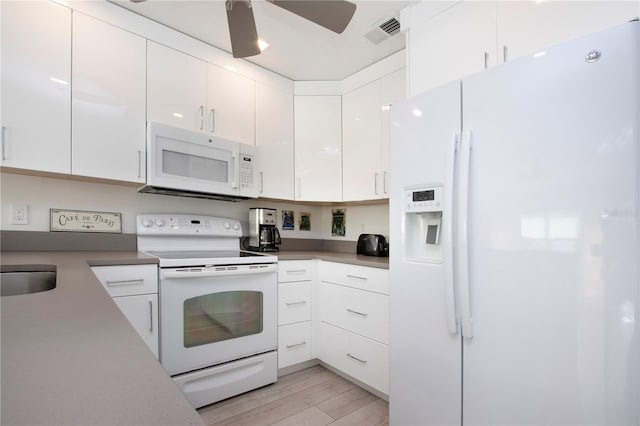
[(216, 272)]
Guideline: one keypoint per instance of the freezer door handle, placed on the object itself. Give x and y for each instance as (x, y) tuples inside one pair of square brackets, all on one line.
[(447, 236), (463, 236)]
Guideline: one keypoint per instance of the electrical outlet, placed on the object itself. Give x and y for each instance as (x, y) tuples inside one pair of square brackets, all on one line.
[(19, 214)]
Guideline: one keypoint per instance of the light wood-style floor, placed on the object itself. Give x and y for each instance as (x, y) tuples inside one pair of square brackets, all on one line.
[(311, 397)]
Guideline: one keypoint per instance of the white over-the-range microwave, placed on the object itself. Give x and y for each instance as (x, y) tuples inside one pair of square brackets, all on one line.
[(192, 164)]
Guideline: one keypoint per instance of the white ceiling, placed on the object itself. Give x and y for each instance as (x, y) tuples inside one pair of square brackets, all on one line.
[(298, 49)]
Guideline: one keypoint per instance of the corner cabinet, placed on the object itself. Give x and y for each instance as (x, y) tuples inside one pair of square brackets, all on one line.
[(353, 329), (108, 101), (36, 86), (187, 92), (274, 139), (134, 289), (365, 137), (318, 148)]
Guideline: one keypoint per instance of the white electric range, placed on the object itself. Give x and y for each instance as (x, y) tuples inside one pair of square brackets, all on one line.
[(218, 305)]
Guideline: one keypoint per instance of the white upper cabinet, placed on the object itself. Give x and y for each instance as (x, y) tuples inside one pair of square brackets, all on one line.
[(36, 86), (318, 148), (362, 143), (453, 44), (365, 137), (176, 88), (108, 101), (471, 35), (274, 139), (520, 22), (230, 105), (187, 92), (393, 89)]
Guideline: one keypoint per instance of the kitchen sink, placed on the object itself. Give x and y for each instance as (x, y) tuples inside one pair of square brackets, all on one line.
[(26, 279)]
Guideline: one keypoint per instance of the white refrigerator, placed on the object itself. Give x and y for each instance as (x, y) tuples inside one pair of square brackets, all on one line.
[(515, 242)]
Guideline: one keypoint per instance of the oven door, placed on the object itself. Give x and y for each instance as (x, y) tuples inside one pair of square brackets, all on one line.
[(191, 161), (212, 315)]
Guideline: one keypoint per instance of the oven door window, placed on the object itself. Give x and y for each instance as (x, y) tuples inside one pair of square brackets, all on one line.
[(222, 316)]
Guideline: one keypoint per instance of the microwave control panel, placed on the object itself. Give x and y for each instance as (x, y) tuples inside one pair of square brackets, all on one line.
[(246, 171)]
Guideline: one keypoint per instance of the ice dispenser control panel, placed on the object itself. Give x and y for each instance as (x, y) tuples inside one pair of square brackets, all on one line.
[(424, 200)]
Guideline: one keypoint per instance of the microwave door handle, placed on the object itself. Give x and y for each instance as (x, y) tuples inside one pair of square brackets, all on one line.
[(236, 170)]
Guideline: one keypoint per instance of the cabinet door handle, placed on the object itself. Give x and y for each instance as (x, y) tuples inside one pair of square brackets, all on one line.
[(299, 188), (296, 345), (150, 316), (139, 163), (213, 120), (4, 142), (384, 182), (356, 277), (357, 313), (296, 271), (505, 52), (362, 361), (302, 302), (486, 60), (201, 117), (375, 182), (125, 282)]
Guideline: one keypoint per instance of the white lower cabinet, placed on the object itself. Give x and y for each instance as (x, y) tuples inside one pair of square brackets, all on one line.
[(353, 329), (295, 280), (134, 289), (363, 359), (294, 343)]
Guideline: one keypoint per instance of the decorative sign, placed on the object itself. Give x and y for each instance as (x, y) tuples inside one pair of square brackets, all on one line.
[(85, 221), (338, 222), (305, 221), (288, 221)]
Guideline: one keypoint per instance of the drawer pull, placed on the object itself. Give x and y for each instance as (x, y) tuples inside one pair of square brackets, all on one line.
[(302, 302), (362, 361), (357, 313), (126, 282), (296, 345), (356, 277), (296, 271)]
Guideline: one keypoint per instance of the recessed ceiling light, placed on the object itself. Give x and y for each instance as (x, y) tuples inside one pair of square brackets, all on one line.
[(262, 44)]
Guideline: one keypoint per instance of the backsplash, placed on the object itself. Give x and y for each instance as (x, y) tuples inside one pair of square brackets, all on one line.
[(44, 193)]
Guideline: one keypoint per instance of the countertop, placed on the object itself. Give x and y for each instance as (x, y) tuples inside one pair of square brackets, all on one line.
[(330, 256), (69, 356)]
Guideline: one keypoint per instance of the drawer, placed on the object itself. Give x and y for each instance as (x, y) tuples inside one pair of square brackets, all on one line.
[(357, 356), (295, 270), (363, 277), (294, 344), (127, 280), (362, 312), (294, 302)]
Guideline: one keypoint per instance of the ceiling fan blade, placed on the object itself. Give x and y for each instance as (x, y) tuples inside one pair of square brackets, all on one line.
[(242, 28), (334, 15)]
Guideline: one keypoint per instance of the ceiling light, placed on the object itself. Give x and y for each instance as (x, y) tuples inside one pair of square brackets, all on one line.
[(262, 45)]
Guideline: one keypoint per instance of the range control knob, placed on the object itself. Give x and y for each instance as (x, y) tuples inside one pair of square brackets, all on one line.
[(160, 222), (236, 226), (147, 223), (227, 225)]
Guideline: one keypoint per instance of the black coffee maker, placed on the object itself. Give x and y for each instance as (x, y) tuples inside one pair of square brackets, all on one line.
[(263, 233)]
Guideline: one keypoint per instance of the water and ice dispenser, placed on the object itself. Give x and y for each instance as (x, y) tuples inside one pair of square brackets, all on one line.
[(423, 209)]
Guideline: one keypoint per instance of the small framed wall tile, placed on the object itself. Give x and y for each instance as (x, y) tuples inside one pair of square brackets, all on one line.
[(84, 221), (338, 222), (288, 220), (305, 221)]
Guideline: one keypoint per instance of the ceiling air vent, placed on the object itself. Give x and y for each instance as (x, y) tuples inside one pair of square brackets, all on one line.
[(384, 30)]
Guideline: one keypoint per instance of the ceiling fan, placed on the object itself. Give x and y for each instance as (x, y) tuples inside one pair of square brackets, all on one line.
[(333, 15)]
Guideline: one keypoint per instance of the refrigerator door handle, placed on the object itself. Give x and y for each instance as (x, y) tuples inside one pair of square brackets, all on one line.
[(447, 243), (463, 236)]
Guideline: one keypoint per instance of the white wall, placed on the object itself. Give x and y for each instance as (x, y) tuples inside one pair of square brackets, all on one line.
[(43, 193)]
